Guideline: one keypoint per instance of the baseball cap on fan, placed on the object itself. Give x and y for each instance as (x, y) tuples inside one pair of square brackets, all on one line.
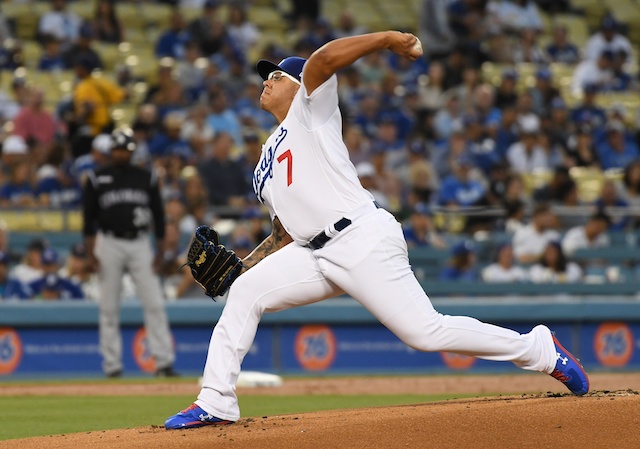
[(291, 65)]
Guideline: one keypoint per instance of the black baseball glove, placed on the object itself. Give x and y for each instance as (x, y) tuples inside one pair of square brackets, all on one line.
[(213, 266)]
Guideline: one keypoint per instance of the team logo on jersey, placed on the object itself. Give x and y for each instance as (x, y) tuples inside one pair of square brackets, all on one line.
[(315, 347), (10, 350), (457, 361), (613, 344), (141, 354), (264, 169)]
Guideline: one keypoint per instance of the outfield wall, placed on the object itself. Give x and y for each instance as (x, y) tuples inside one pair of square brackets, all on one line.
[(332, 337)]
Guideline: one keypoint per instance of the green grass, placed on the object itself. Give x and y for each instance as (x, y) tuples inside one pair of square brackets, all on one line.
[(28, 416)]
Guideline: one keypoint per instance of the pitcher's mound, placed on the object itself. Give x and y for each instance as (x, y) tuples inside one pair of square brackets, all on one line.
[(601, 419)]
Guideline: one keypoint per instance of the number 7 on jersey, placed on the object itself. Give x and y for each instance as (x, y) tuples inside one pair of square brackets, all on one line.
[(289, 157)]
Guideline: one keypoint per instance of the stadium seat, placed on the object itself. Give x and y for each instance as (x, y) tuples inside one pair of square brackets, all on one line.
[(86, 9), (589, 182), (124, 115), (109, 53), (536, 179)]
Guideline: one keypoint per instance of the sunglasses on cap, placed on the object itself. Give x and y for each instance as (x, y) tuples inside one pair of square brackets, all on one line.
[(277, 75)]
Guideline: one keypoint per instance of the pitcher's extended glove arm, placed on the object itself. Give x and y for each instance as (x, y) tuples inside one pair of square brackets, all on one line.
[(213, 266)]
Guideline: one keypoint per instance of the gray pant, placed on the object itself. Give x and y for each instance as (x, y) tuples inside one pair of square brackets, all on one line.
[(116, 257)]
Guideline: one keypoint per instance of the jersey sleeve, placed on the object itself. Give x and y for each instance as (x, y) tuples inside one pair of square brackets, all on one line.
[(89, 206), (313, 111)]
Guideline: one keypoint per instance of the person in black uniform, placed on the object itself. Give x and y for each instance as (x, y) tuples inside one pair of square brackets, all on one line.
[(121, 204)]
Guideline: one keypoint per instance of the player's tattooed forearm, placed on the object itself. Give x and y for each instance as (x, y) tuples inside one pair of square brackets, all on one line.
[(280, 236), (278, 239)]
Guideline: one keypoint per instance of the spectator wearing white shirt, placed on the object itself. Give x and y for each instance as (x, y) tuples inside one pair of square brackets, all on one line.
[(60, 23), (591, 235), (527, 154), (504, 269), (244, 33), (516, 15), (597, 72), (530, 241), (554, 267), (607, 38)]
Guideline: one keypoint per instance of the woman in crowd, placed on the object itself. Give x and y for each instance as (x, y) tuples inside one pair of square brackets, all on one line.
[(554, 267)]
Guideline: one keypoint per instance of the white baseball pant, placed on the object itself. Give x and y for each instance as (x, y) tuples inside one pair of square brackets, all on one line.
[(368, 261)]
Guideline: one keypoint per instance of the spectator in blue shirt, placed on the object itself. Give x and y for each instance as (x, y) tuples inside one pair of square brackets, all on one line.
[(419, 231), (51, 285), (61, 189), (462, 267), (171, 43), (459, 189), (248, 109), (588, 112), (561, 50), (480, 147), (18, 191), (169, 142), (100, 155), (223, 119), (507, 132), (51, 58), (14, 289), (622, 81), (616, 149), (609, 198)]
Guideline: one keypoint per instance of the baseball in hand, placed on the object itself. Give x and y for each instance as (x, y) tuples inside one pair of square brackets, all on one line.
[(417, 47)]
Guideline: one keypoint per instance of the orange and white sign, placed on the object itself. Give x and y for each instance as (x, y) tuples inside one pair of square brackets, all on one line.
[(141, 354), (10, 350), (457, 361), (315, 347), (613, 344)]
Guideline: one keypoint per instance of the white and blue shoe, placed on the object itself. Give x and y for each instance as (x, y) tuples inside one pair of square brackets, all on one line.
[(192, 417), (569, 371)]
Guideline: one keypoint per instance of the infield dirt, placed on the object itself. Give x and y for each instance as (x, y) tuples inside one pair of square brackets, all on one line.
[(609, 417)]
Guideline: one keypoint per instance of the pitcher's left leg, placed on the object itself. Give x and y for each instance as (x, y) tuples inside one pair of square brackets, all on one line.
[(384, 283)]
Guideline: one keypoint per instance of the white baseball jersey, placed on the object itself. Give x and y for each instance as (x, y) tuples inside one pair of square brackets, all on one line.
[(304, 176)]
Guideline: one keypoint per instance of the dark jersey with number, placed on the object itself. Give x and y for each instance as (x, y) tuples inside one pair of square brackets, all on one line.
[(123, 201)]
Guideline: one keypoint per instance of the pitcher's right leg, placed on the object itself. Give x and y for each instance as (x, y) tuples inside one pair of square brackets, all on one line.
[(287, 278)]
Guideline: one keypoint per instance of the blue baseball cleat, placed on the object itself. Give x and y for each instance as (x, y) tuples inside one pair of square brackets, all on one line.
[(192, 417), (569, 371)]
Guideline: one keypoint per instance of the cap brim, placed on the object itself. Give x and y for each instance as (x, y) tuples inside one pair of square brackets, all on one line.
[(265, 67)]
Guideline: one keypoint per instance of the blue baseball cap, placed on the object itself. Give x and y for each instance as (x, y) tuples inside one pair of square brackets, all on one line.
[(49, 256), (464, 247), (510, 74), (608, 23), (292, 65), (544, 74)]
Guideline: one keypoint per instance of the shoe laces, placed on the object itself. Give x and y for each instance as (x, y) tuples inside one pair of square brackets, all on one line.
[(559, 375)]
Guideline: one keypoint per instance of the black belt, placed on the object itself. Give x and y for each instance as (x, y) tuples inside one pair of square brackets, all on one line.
[(321, 239), (126, 235)]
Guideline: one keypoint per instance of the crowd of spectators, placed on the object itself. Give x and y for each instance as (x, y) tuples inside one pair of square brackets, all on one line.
[(424, 136)]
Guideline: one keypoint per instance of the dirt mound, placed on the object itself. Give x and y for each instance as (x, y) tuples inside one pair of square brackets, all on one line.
[(605, 418), (602, 419)]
